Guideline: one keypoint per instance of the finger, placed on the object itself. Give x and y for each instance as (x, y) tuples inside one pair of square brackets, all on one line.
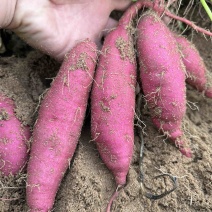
[(121, 4), (112, 23), (70, 1)]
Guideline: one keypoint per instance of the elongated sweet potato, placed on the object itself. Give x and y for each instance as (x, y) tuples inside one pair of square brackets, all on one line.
[(59, 124), (195, 67), (113, 100), (163, 77)]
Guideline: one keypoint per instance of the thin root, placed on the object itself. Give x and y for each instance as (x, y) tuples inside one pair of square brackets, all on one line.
[(113, 197), (143, 187)]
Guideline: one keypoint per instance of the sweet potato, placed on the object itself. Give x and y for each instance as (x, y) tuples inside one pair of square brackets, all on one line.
[(113, 100), (59, 124), (195, 67), (13, 137), (162, 76)]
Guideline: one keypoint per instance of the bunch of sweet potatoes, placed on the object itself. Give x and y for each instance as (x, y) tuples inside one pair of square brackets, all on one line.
[(166, 62)]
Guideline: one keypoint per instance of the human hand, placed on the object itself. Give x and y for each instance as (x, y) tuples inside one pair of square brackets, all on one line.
[(55, 26)]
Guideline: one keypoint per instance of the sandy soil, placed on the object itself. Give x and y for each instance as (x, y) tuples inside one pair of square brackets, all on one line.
[(88, 185)]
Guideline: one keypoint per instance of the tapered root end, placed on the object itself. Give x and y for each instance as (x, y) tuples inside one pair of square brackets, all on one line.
[(208, 93), (186, 151), (177, 138), (121, 177)]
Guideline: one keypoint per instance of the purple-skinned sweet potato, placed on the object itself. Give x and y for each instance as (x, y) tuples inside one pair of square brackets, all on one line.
[(113, 100), (57, 130), (162, 76), (195, 67), (13, 139)]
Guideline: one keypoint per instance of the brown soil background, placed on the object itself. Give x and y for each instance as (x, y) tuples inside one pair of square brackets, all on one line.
[(88, 185)]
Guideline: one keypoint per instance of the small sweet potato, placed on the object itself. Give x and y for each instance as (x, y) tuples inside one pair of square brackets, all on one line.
[(195, 67), (13, 139)]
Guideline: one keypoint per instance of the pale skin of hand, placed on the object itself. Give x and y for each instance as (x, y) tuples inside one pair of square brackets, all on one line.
[(55, 26)]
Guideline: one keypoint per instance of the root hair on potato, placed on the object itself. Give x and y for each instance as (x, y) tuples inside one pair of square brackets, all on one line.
[(139, 122)]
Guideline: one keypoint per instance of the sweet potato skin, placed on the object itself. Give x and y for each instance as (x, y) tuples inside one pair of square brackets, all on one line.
[(195, 67), (59, 124), (162, 76), (113, 102), (13, 137)]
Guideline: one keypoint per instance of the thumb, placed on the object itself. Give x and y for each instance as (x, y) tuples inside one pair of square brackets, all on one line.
[(121, 4), (111, 24), (69, 1)]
